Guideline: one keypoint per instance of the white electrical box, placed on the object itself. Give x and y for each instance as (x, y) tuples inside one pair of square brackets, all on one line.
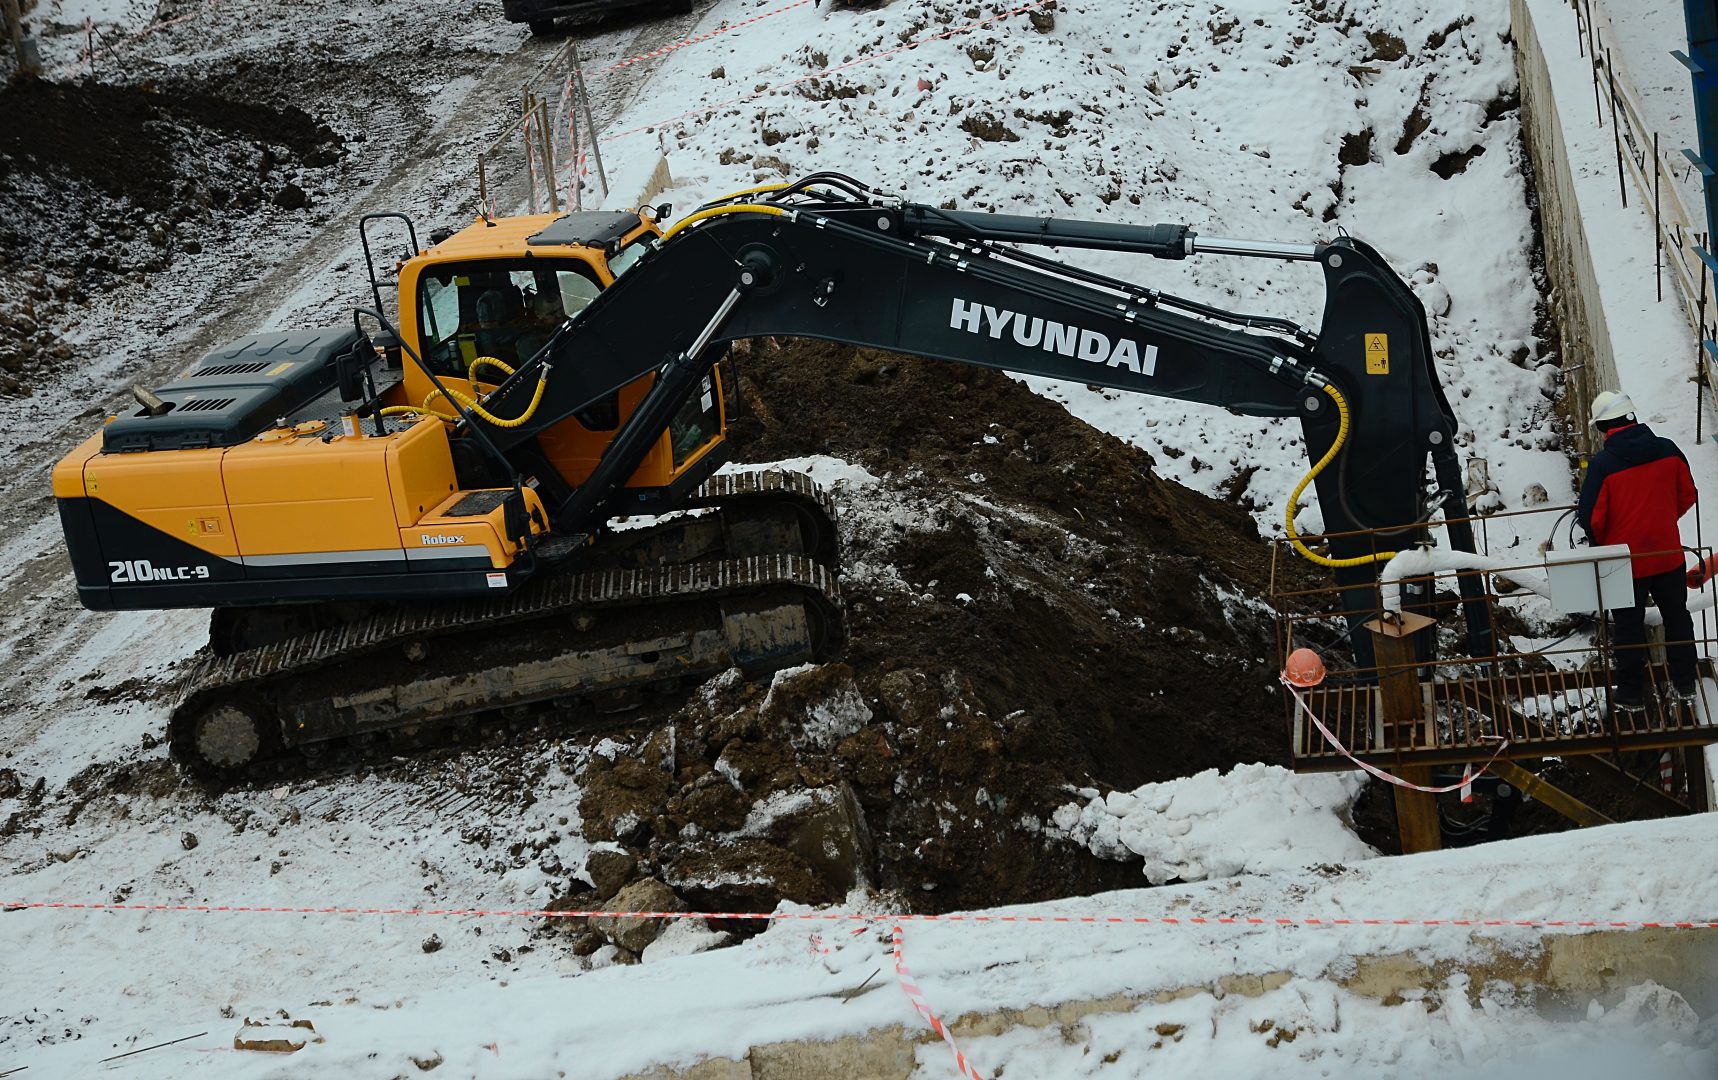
[(1584, 580)]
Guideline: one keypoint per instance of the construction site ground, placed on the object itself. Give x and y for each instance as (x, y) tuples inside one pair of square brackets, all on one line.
[(1057, 595)]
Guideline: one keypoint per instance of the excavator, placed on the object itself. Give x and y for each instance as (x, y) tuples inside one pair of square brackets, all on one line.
[(514, 498)]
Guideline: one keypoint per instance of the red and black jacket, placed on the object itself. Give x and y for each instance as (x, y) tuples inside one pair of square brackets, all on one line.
[(1636, 489)]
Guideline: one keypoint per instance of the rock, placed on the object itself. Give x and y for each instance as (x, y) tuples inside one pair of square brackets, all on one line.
[(609, 870), (818, 706), (587, 943), (831, 837), (10, 785), (188, 841), (1535, 495), (633, 934), (191, 247), (432, 943), (754, 875), (291, 197)]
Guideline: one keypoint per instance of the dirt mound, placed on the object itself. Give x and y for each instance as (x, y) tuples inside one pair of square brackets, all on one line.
[(1031, 608), (1104, 602), (103, 184)]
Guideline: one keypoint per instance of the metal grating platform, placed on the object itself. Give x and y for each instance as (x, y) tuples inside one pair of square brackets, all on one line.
[(1462, 719)]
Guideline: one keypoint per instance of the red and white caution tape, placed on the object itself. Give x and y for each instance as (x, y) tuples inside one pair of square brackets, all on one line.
[(962, 1067), (1666, 773), (8, 906), (1300, 701)]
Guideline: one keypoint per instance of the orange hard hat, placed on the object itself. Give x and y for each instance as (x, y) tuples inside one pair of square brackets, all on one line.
[(1304, 668)]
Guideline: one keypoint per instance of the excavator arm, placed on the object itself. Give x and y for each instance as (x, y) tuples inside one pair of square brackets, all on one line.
[(830, 259)]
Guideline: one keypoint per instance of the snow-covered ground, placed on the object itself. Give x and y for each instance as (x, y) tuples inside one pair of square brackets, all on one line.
[(1235, 118), (1279, 997)]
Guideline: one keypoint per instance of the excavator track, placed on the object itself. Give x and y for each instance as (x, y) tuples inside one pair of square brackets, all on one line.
[(747, 579), (608, 636)]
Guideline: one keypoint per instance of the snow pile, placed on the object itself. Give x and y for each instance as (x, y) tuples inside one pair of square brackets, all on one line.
[(1255, 819), (832, 472)]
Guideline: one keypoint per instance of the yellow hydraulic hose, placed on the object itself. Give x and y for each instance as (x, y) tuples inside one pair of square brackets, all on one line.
[(759, 190), (476, 407), (472, 404), (1294, 499), (717, 211), (483, 362)]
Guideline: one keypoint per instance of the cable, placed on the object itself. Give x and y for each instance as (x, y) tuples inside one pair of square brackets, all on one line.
[(1294, 499)]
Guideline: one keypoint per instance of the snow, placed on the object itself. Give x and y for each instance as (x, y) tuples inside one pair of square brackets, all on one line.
[(792, 981), (1173, 114), (831, 472), (1254, 819)]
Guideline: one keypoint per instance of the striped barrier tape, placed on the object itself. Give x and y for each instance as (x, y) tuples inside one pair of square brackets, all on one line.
[(962, 1067), (1467, 777), (8, 906)]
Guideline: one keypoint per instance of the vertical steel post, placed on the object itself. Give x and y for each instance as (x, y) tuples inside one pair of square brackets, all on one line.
[(1657, 226), (1616, 129), (1593, 52)]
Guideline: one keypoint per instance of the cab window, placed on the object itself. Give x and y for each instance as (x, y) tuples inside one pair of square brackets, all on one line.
[(627, 256), (499, 308)]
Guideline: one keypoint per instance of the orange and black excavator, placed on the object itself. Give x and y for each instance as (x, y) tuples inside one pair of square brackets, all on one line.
[(402, 526)]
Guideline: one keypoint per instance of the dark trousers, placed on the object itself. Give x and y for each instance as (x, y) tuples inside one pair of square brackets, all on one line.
[(1669, 591)]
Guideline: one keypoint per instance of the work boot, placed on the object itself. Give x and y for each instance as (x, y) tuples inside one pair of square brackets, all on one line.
[(1685, 694), (1632, 704)]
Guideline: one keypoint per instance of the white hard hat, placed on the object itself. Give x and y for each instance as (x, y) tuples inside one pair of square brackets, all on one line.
[(1610, 405)]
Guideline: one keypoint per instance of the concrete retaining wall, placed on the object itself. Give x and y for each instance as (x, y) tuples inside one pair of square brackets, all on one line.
[(1588, 362), (1560, 977)]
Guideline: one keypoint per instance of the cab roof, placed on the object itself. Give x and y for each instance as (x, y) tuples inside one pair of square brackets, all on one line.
[(518, 236)]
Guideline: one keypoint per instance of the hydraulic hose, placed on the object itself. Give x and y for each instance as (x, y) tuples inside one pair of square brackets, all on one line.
[(1294, 499), (758, 190), (717, 211), (473, 404), (477, 407), (483, 362)]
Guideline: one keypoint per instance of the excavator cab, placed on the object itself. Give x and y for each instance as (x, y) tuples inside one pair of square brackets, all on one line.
[(487, 299)]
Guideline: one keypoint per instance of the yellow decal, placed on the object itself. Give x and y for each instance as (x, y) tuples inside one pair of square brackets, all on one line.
[(1377, 354), (90, 485), (277, 369)]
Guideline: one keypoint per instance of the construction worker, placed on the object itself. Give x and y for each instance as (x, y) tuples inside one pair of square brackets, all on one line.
[(1635, 490)]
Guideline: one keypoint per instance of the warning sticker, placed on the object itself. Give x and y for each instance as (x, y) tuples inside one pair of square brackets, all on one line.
[(1377, 354), (497, 581)]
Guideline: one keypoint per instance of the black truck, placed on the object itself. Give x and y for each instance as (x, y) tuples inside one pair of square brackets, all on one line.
[(540, 15)]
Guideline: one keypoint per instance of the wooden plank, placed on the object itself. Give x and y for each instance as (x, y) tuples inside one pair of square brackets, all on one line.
[(1404, 704)]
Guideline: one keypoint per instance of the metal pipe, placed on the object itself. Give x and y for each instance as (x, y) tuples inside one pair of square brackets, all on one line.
[(1265, 249)]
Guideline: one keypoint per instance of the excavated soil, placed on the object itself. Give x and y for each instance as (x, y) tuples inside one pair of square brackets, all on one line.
[(103, 185), (1031, 609)]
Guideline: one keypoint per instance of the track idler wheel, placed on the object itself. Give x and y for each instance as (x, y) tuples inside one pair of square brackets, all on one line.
[(224, 736)]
